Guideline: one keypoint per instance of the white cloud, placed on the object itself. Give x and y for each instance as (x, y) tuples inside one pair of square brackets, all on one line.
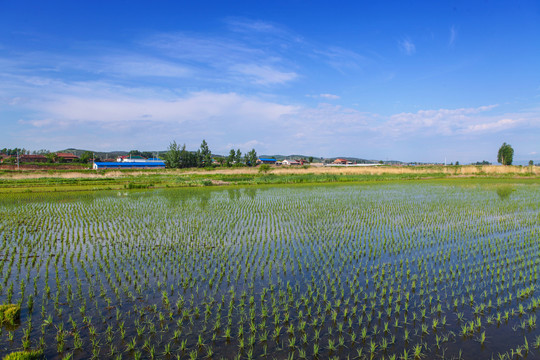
[(263, 74), (325, 96), (329, 96), (245, 146), (407, 46), (194, 107), (488, 126), (448, 122)]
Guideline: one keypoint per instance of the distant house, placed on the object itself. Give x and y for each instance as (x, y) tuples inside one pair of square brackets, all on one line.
[(341, 162), (155, 164), (67, 157), (266, 161), (32, 158), (290, 162)]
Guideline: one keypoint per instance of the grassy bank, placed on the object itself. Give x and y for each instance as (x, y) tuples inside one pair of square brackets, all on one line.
[(72, 180)]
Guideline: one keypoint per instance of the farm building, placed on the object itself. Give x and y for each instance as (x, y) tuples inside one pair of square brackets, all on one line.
[(290, 162), (129, 165), (266, 161), (66, 157), (341, 162), (32, 158)]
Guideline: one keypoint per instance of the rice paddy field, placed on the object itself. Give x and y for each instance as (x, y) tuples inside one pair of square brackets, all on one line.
[(443, 269)]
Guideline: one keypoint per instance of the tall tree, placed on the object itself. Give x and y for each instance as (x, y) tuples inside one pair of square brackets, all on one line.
[(231, 157), (251, 158), (505, 155), (173, 156), (238, 157), (205, 155)]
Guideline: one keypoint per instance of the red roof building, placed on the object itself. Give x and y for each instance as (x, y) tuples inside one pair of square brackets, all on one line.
[(67, 157)]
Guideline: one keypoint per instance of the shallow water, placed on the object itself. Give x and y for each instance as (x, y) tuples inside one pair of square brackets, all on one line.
[(321, 264)]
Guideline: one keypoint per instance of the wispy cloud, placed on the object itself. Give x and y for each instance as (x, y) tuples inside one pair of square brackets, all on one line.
[(325, 96), (264, 74), (341, 59), (407, 46), (453, 36)]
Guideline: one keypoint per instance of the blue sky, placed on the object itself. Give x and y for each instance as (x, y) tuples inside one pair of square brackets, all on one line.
[(411, 81)]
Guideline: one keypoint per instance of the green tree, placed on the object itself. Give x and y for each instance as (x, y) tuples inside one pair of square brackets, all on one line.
[(51, 157), (310, 159), (531, 163), (251, 158), (173, 155), (187, 158), (506, 154), (204, 155), (238, 157), (231, 157), (86, 157)]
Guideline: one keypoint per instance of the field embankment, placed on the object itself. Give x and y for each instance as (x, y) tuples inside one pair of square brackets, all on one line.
[(78, 180)]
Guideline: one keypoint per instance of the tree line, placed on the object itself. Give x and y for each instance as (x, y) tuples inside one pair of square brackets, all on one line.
[(177, 157)]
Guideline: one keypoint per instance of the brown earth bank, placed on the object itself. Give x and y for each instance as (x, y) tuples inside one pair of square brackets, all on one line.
[(71, 172), (24, 167)]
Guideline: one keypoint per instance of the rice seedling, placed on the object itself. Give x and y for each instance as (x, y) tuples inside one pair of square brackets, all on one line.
[(225, 271)]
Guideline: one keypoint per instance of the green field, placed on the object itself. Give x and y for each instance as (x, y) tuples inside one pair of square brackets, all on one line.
[(394, 270)]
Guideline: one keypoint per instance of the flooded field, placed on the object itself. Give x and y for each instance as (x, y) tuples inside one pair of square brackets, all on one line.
[(445, 269)]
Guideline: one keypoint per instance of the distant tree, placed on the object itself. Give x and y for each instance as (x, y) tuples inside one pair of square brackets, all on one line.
[(251, 158), (135, 153), (457, 163), (231, 157), (483, 162), (531, 163), (505, 155), (238, 157), (147, 154), (51, 157), (205, 154), (188, 159), (173, 156), (86, 157), (310, 159)]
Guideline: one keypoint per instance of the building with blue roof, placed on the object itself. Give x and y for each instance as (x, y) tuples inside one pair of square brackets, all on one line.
[(129, 165), (266, 161)]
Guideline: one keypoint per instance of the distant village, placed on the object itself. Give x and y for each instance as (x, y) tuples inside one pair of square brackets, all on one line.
[(135, 159), (138, 161)]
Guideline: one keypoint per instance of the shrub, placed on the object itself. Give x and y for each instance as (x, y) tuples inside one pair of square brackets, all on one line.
[(264, 168)]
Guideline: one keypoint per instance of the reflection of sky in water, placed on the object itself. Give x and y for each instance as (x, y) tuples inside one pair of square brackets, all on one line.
[(326, 245)]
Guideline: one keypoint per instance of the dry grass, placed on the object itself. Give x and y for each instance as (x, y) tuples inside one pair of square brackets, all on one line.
[(466, 170)]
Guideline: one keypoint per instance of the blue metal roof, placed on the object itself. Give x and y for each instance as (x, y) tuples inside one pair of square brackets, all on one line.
[(265, 159), (130, 164)]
